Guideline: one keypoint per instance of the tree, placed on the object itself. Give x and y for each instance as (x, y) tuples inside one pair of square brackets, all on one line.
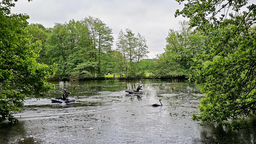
[(165, 66), (227, 72), (142, 48), (179, 50), (131, 41), (141, 51), (102, 39), (105, 49), (121, 47), (69, 45), (39, 34), (57, 49), (80, 48), (147, 66), (133, 50), (181, 47), (82, 58), (20, 74)]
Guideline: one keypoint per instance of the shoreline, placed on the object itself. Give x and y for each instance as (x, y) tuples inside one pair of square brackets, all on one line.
[(118, 78)]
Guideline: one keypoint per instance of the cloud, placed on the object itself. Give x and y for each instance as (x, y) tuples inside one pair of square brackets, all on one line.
[(150, 18)]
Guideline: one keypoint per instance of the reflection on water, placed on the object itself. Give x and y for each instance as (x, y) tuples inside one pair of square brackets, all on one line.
[(15, 134), (220, 134), (104, 113)]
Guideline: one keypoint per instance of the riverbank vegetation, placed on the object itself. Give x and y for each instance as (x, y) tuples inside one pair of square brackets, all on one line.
[(225, 67), (84, 50), (20, 73)]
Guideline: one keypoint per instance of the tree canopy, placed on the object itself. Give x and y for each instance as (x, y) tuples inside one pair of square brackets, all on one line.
[(181, 47), (133, 49), (20, 74), (226, 65)]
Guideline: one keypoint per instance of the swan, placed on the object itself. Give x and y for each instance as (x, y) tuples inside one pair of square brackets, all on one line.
[(156, 105)]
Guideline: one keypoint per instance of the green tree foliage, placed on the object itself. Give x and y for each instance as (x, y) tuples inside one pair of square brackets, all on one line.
[(84, 54), (66, 46), (81, 49), (141, 48), (131, 41), (227, 72), (82, 70), (118, 63), (179, 52), (39, 35), (141, 53), (133, 48), (147, 66), (165, 66), (20, 74), (102, 39), (121, 47), (57, 49)]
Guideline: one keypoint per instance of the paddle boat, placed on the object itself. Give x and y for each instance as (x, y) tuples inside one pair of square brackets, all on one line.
[(60, 100), (130, 91)]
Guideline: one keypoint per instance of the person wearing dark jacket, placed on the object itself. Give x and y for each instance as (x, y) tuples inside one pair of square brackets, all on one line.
[(65, 94), (138, 88)]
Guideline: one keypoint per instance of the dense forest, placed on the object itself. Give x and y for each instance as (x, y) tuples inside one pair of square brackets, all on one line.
[(84, 50), (215, 49)]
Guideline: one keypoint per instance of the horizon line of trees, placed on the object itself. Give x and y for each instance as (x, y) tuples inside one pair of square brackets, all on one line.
[(83, 49)]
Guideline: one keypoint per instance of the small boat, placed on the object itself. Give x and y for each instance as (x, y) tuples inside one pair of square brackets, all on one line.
[(60, 100), (130, 91)]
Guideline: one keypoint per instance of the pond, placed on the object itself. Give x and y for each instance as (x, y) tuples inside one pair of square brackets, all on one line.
[(104, 113)]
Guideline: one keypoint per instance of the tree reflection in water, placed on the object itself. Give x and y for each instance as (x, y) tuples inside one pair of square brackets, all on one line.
[(224, 134), (14, 133)]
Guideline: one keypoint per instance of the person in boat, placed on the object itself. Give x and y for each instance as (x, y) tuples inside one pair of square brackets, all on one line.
[(65, 94), (138, 88)]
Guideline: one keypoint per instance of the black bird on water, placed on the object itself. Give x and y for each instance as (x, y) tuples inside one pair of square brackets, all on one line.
[(156, 105)]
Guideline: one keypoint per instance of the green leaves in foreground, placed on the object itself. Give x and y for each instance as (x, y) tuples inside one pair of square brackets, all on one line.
[(226, 67), (229, 84), (20, 74)]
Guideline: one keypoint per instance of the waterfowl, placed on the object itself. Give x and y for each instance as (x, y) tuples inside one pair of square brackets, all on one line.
[(156, 105)]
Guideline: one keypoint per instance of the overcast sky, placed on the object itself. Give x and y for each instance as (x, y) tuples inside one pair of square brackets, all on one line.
[(150, 18)]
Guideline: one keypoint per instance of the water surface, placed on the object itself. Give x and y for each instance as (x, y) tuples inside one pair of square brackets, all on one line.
[(105, 113)]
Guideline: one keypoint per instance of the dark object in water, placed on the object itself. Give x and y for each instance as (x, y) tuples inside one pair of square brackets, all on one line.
[(156, 105), (60, 100), (139, 97), (133, 91)]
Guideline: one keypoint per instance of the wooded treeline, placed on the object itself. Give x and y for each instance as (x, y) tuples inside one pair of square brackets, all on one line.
[(85, 49)]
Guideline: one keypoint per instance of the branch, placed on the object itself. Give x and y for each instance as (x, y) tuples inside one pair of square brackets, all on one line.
[(223, 6), (229, 36)]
